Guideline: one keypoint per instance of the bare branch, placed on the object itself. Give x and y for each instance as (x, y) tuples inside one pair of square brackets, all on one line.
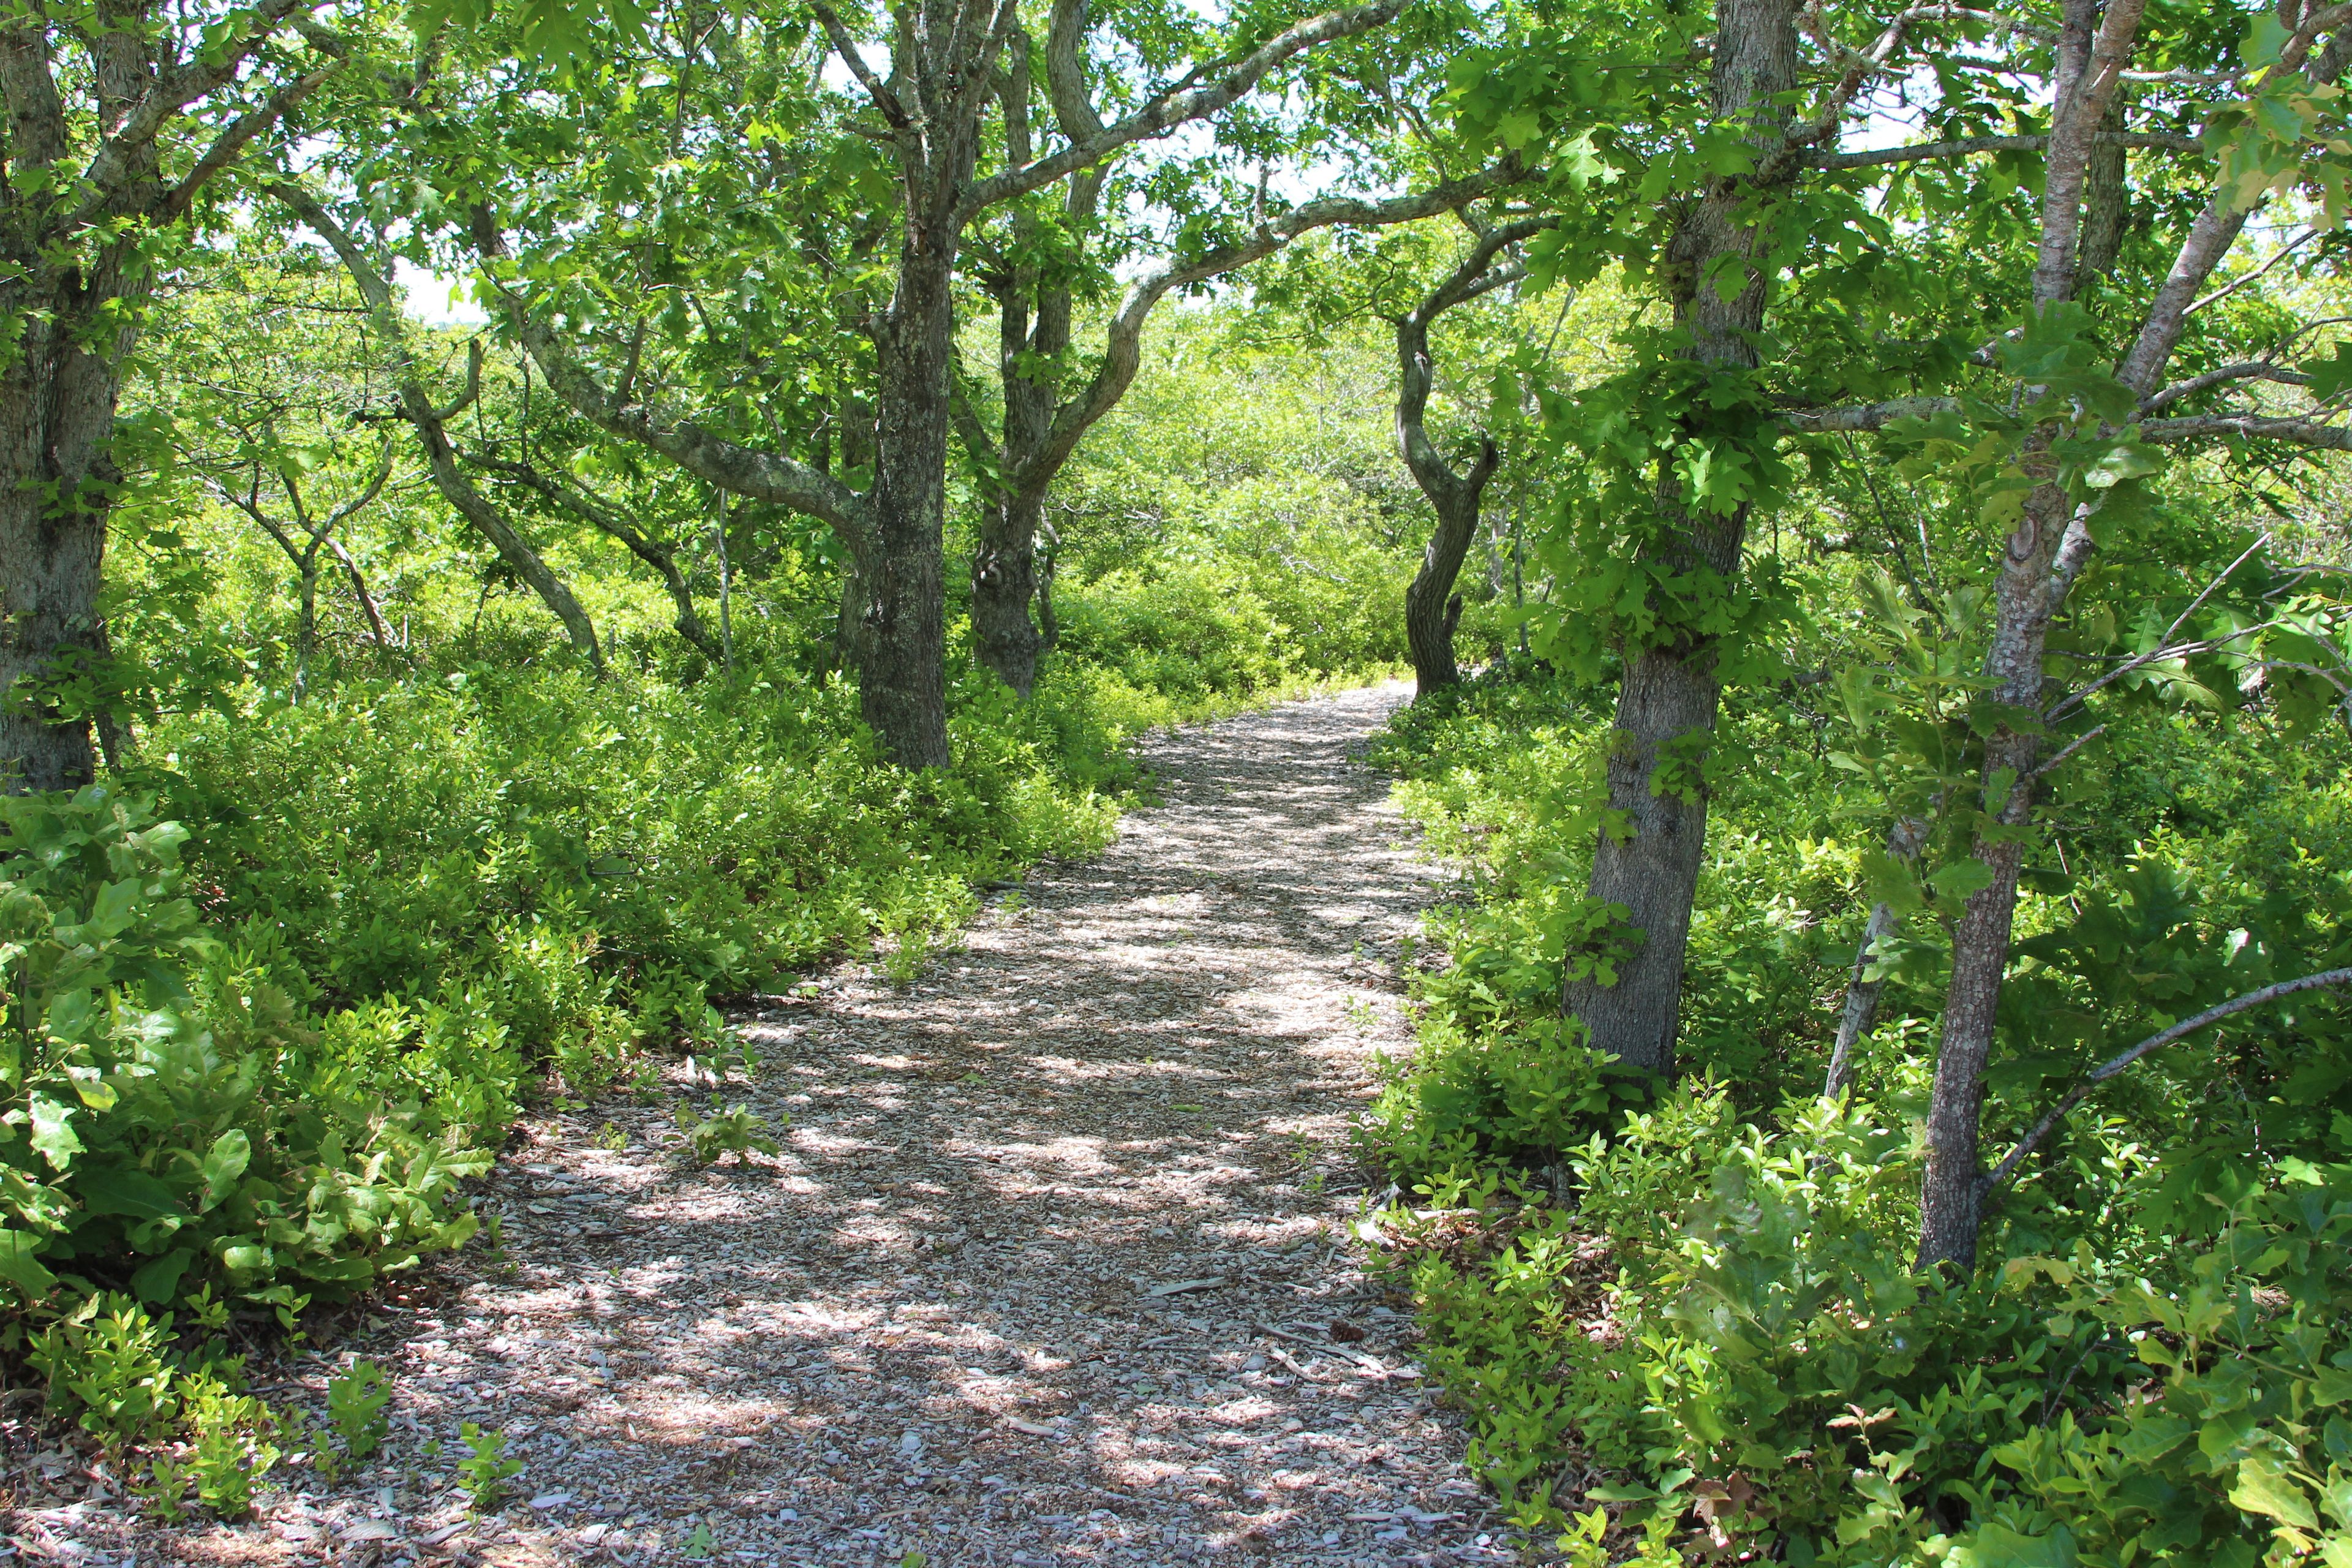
[(2257, 427), (1993, 1178), (2248, 370), (2231, 287), (2149, 140)]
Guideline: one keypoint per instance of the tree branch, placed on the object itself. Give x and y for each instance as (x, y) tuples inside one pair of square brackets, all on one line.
[(611, 520), (1865, 415), (1122, 351), (742, 470), (2154, 141), (111, 163), (846, 47), (2008, 1167), (1180, 105), (238, 135), (2246, 369), (2256, 427), (416, 407), (1475, 275)]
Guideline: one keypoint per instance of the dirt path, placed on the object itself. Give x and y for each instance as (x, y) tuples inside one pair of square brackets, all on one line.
[(1048, 1269)]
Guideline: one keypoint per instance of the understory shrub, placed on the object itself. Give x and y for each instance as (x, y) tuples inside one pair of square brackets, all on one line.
[(1705, 1293)]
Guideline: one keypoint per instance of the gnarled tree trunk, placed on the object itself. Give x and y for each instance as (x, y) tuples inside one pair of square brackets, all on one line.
[(1432, 609)]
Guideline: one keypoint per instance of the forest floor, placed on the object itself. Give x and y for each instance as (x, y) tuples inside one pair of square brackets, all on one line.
[(1054, 1265)]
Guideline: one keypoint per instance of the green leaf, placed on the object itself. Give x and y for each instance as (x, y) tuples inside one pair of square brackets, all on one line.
[(2263, 1489), (51, 1135), (2123, 460), (231, 1153), (133, 1193), (2263, 42), (1962, 879), (1995, 1546), (2329, 377), (20, 1264), (159, 1281)]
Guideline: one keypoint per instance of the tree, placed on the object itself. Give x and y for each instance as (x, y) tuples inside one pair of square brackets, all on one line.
[(1035, 274), (627, 339), (1432, 609), (2071, 456), (121, 119)]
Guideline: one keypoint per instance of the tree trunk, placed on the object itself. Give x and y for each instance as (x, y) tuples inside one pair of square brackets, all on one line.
[(1004, 585), (1432, 609), (57, 414), (49, 566), (1647, 860), (306, 625), (1951, 1193), (2093, 47), (1653, 838), (902, 662)]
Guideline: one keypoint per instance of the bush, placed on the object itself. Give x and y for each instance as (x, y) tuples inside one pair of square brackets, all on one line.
[(175, 1124)]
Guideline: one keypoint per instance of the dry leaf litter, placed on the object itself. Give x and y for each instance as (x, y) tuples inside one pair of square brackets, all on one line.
[(1053, 1267)]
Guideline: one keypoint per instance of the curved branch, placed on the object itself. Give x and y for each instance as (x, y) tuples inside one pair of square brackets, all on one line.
[(2248, 370), (1180, 105), (416, 407), (2114, 1065), (742, 470), (1477, 276), (1123, 352), (611, 520)]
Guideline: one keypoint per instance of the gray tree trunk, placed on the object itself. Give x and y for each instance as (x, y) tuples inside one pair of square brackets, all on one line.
[(1647, 857)]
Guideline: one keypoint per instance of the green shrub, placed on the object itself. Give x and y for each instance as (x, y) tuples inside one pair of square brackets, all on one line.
[(164, 1137)]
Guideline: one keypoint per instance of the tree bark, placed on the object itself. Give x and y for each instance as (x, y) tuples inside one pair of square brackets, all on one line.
[(902, 662), (1005, 582), (57, 399), (1647, 858), (1432, 609), (2093, 48)]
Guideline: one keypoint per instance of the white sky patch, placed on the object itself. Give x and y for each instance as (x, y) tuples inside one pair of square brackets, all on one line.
[(435, 299)]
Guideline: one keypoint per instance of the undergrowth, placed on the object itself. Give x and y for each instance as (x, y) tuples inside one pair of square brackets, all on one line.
[(1684, 1319)]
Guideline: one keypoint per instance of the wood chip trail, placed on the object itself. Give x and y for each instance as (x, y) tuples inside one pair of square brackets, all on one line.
[(1047, 1271)]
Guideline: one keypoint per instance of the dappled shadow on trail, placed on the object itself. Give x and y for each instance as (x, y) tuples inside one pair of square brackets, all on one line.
[(1047, 1268)]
